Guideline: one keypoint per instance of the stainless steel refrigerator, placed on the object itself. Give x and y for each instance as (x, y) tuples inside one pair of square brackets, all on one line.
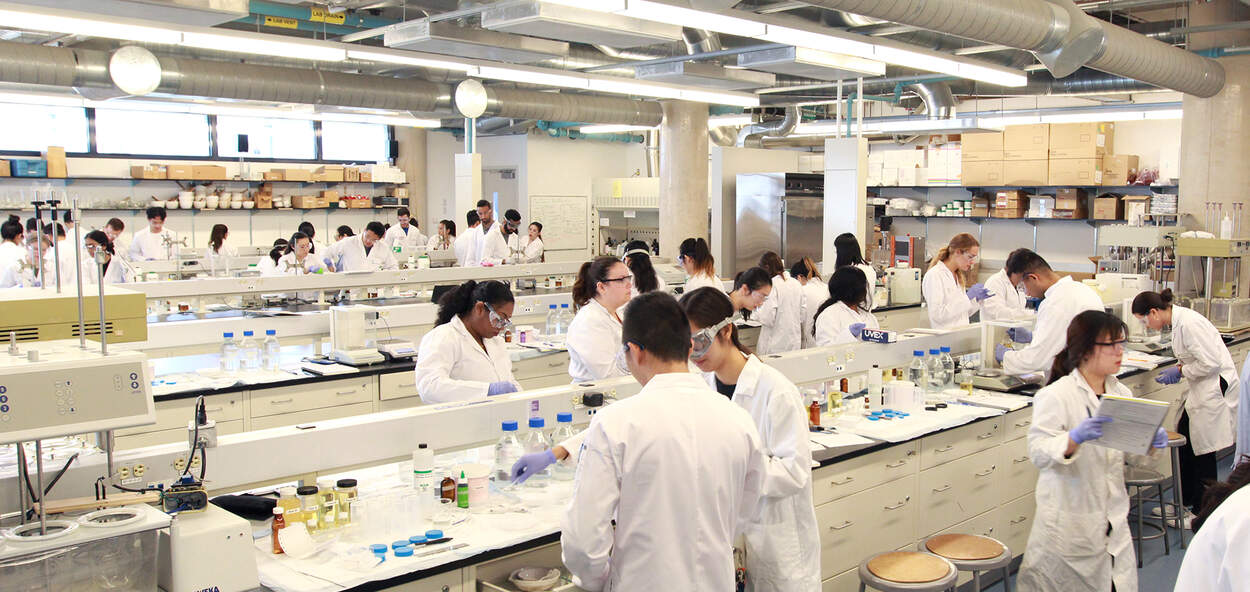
[(779, 212)]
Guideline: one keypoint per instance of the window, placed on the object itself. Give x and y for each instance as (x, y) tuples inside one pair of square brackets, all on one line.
[(147, 132), (266, 138), (35, 127), (356, 142)]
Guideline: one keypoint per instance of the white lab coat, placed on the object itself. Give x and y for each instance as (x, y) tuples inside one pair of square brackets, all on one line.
[(1062, 302), (1243, 412), (396, 235), (266, 266), (451, 366), (289, 265), (695, 282), (833, 326), (680, 468), (466, 247), (1213, 562), (1007, 302), (436, 243), (815, 293), (594, 342), (68, 264), (218, 261), (349, 255), (146, 246), (491, 247), (947, 302), (12, 257), (783, 540), (1069, 549), (118, 271), (531, 250), (781, 317), (870, 274), (1204, 360)]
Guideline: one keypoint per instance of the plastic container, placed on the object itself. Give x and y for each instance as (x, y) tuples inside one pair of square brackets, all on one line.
[(272, 351), (566, 318), (345, 494), (536, 441), (553, 321), (508, 450), (229, 353), (249, 352), (310, 506), (423, 470), (917, 371), (936, 373), (948, 366), (564, 430)]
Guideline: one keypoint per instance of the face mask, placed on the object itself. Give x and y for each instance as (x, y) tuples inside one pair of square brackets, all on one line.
[(701, 342)]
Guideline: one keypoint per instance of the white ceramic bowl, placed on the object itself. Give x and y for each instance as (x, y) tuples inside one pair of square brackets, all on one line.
[(211, 202), (171, 204), (236, 205), (199, 204), (534, 579), (247, 205)]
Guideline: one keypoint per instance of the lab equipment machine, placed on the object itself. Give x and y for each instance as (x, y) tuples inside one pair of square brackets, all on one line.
[(990, 376), (779, 212), (1221, 299), (41, 314), (904, 284), (193, 549), (352, 335), (907, 250)]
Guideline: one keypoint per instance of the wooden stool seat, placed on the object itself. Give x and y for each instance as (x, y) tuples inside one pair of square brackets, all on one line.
[(908, 567), (964, 547)]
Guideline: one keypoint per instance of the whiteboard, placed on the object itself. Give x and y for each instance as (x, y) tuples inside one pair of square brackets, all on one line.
[(565, 220)]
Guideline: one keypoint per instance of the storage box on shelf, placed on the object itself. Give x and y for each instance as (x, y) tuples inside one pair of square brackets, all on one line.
[(1026, 142), (1108, 207), (1026, 172), (57, 167), (1116, 168), (1070, 203), (1075, 171), (1081, 140), (152, 171), (986, 147), (987, 173)]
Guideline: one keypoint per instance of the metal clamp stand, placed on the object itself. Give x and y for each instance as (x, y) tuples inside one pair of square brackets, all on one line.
[(39, 237), (56, 244), (82, 322)]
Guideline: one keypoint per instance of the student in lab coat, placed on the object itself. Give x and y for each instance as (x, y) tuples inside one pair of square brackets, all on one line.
[(268, 264), (843, 317), (490, 245), (532, 244), (1208, 418), (63, 257), (947, 294), (149, 244), (463, 357), (1063, 300), (782, 539), (316, 247), (511, 230), (342, 232), (406, 233), (1243, 412), (781, 316), (1216, 558), (815, 293), (601, 288), (444, 238), (638, 258), (751, 289), (696, 259), (12, 253), (219, 252), (1080, 538), (116, 270), (366, 252), (678, 467), (466, 243), (298, 258), (1006, 301), (850, 253), (115, 228)]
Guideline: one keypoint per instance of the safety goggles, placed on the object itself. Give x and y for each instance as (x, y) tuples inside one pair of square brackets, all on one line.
[(701, 341), (636, 252), (497, 320)]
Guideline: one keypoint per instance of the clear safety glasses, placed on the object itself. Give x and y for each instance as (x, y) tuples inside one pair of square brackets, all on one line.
[(701, 342), (497, 320)]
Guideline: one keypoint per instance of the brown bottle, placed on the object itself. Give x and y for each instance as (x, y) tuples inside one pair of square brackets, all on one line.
[(447, 490)]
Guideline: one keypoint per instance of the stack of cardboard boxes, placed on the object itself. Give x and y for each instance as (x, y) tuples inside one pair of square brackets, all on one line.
[(1010, 204), (1026, 149), (1077, 151), (1068, 154), (982, 160)]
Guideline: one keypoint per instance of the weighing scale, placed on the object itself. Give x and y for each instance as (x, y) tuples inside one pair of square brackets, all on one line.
[(994, 379)]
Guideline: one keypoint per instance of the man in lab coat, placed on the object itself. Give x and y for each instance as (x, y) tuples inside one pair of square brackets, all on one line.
[(677, 465), (364, 252), (511, 226), (153, 243), (1006, 301), (406, 233), (12, 254), (114, 229), (466, 242), (491, 247), (60, 257), (1063, 299)]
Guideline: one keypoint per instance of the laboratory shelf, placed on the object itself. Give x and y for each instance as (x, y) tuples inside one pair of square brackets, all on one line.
[(132, 180)]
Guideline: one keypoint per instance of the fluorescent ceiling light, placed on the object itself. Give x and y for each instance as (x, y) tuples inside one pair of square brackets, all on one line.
[(533, 77), (256, 44), (398, 58), (667, 13), (720, 98), (625, 86), (730, 120), (94, 26), (613, 129)]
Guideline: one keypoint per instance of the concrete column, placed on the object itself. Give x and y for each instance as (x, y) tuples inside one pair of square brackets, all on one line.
[(683, 175), (411, 159)]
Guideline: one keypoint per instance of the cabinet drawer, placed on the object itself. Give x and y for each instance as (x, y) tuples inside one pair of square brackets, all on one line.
[(496, 571), (871, 521), (853, 476), (176, 413), (988, 524), (315, 396), (546, 365), (1144, 384), (404, 403), (960, 442), (397, 385), (957, 491), (1017, 520), (450, 581), (1016, 424), (178, 434), (311, 415), (1019, 473), (847, 581)]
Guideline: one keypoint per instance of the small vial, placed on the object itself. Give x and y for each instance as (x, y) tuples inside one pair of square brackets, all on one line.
[(462, 492), (279, 523)]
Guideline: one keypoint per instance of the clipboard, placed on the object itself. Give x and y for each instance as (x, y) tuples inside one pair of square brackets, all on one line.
[(1134, 423)]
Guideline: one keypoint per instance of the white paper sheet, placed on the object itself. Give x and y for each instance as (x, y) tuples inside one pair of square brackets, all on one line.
[(1134, 423), (825, 441)]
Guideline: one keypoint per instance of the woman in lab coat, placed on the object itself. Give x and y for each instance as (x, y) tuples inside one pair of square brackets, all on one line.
[(638, 258), (781, 316), (843, 316), (1080, 537), (218, 251), (463, 357), (532, 244), (1209, 415), (696, 259), (782, 540), (949, 301), (815, 293), (116, 271), (268, 264), (444, 238), (751, 289), (1006, 301), (594, 336), (367, 252), (298, 258), (849, 253)]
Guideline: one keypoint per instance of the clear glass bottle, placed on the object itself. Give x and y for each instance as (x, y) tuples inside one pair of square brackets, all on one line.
[(288, 501), (229, 352), (562, 471), (508, 450), (553, 320), (948, 365), (566, 318), (345, 493), (328, 518), (536, 441), (917, 373), (272, 351), (310, 506), (936, 373), (249, 352)]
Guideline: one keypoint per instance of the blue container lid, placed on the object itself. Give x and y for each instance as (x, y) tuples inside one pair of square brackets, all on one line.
[(404, 551), (873, 418), (417, 539), (564, 305), (918, 353), (551, 306), (934, 352), (227, 334), (537, 422), (564, 418), (401, 543), (247, 333), (378, 548), (431, 535), (901, 414), (509, 426), (946, 349), (270, 332)]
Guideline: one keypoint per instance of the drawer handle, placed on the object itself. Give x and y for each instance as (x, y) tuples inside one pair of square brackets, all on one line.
[(282, 401), (341, 393), (1024, 423), (987, 471), (555, 364), (409, 385), (1019, 520), (986, 436), (843, 482), (947, 448), (1021, 459), (895, 465), (898, 505), (942, 488), (842, 526), (214, 409)]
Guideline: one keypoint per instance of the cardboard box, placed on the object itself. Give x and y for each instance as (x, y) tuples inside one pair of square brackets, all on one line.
[(208, 173), (351, 174), (366, 177), (329, 174), (1068, 198), (1075, 171), (982, 147), (264, 201), (1010, 198), (275, 175), (1116, 168), (1081, 140), (1026, 142), (397, 191), (57, 167), (306, 202), (980, 207), (1108, 208), (1080, 213), (148, 172), (982, 173), (179, 171), (296, 174), (1136, 208), (4, 168), (330, 195), (1025, 172), (1013, 212), (359, 203)]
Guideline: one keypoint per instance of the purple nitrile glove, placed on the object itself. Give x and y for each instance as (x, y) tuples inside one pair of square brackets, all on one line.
[(1020, 335), (530, 464), (999, 351), (1169, 376), (502, 387), (1161, 439), (1090, 428), (978, 292), (857, 329)]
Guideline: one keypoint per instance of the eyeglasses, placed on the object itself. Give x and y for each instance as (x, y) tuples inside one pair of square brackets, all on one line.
[(1121, 344), (701, 342), (624, 278), (497, 320)]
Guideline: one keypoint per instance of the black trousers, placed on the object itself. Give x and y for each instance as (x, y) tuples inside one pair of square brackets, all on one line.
[(1196, 469)]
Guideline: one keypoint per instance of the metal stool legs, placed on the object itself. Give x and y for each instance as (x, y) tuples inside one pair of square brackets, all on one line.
[(1175, 442)]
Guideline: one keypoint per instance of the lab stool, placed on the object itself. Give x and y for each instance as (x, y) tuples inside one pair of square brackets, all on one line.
[(1140, 481), (1175, 443), (907, 571), (974, 553)]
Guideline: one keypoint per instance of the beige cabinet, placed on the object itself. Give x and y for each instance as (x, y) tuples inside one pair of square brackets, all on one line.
[(292, 399), (172, 418), (310, 416), (543, 371), (855, 475), (179, 434), (451, 581), (960, 442), (1016, 424), (397, 385), (956, 491), (1017, 521), (871, 521), (1019, 472)]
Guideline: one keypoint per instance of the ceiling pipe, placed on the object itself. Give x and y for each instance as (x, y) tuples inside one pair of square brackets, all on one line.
[(939, 102), (751, 136)]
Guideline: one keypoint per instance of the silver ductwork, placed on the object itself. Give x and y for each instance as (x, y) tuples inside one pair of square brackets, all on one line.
[(751, 136), (722, 135), (1051, 30), (939, 102), (700, 40), (524, 104)]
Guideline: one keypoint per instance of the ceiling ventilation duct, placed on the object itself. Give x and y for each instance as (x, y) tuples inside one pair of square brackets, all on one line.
[(704, 74), (939, 102), (204, 13), (810, 63), (752, 136), (448, 39), (566, 23)]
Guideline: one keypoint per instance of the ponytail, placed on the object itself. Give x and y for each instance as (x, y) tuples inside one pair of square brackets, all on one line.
[(1148, 301), (705, 307), (696, 250), (959, 243), (638, 259), (461, 300), (588, 277), (848, 285)]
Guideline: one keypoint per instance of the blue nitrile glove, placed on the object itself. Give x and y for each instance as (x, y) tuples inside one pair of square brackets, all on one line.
[(1090, 428), (1169, 376), (857, 329), (1020, 335), (1161, 439), (502, 387), (1032, 302), (999, 351), (978, 292), (530, 464)]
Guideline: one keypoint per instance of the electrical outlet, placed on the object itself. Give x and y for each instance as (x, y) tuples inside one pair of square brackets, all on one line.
[(850, 355), (180, 464), (195, 461), (139, 470), (123, 472)]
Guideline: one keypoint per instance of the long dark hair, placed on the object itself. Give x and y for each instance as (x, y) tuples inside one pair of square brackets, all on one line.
[(100, 238), (461, 300), (217, 236), (1147, 301), (638, 259), (291, 244), (450, 225), (278, 250), (1083, 333), (1219, 491), (805, 267), (771, 262), (849, 251), (588, 278), (696, 250), (848, 285), (707, 306)]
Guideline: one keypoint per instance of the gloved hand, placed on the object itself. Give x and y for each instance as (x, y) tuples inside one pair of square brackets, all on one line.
[(1169, 376), (1033, 303), (530, 464), (1020, 335), (1090, 428), (999, 351), (857, 329), (1161, 439), (978, 292), (502, 387)]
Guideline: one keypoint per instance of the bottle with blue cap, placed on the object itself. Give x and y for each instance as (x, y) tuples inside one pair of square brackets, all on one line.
[(937, 374), (249, 352), (564, 430), (229, 352), (536, 441), (508, 450), (918, 375), (948, 366)]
